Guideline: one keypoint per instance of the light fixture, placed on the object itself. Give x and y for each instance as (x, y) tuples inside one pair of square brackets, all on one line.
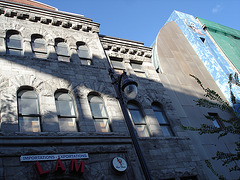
[(129, 87), (122, 83)]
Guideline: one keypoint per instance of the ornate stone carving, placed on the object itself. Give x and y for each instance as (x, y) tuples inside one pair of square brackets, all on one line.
[(67, 24), (86, 28), (106, 47), (148, 55), (132, 51), (76, 26), (56, 22), (10, 13), (140, 53), (34, 18), (115, 48), (124, 50), (2, 10), (21, 15), (46, 20)]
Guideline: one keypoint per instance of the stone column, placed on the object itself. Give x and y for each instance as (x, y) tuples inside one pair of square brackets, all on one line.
[(2, 42), (51, 51), (27, 49)]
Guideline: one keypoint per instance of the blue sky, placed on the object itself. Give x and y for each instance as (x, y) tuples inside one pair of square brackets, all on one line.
[(141, 20)]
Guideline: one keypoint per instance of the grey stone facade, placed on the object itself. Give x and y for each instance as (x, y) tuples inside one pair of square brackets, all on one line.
[(171, 157)]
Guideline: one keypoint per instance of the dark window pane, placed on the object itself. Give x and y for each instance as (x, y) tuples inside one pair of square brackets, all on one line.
[(156, 108), (67, 124), (66, 112), (63, 58), (40, 55), (65, 104), (101, 125), (165, 126), (62, 49), (132, 106), (28, 103), (28, 106), (39, 45), (83, 52), (136, 116), (118, 64), (14, 52), (98, 110), (29, 124), (28, 94), (95, 99), (159, 114), (14, 41), (136, 67), (86, 61), (29, 117), (138, 119), (66, 108), (160, 117), (135, 113), (216, 124), (63, 97), (216, 121), (99, 113), (142, 130)]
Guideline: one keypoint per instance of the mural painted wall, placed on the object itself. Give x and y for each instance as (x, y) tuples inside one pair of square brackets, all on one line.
[(227, 39), (212, 58)]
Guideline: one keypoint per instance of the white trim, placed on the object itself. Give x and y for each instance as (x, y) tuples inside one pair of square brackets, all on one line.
[(51, 157)]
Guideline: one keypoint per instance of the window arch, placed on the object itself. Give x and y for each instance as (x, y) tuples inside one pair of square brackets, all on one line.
[(66, 111), (62, 50), (13, 43), (39, 47), (99, 113), (84, 53), (28, 110), (138, 119), (162, 119)]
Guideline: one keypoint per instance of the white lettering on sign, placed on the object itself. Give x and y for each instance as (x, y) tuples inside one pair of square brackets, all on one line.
[(52, 157)]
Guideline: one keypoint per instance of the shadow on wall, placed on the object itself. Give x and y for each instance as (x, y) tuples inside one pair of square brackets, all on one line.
[(48, 75)]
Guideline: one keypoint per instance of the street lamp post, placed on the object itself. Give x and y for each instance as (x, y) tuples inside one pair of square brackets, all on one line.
[(122, 83)]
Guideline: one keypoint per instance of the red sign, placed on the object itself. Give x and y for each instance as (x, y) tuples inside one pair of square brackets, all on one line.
[(74, 167)]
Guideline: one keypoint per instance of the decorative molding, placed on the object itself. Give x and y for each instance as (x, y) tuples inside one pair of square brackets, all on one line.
[(55, 18), (121, 47)]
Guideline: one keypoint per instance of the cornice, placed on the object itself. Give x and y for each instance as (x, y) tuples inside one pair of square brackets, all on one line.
[(124, 46), (51, 17)]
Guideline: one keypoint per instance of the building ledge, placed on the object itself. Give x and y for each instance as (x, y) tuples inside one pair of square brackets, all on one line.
[(62, 140)]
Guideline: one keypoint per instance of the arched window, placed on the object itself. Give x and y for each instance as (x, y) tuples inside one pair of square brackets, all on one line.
[(99, 113), (14, 43), (66, 112), (62, 50), (138, 120), (162, 119), (28, 111), (83, 53), (39, 47)]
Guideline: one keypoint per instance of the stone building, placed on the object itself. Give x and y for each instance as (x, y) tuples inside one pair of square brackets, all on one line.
[(60, 115)]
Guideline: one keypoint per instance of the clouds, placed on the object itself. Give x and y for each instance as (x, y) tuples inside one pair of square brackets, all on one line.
[(217, 8)]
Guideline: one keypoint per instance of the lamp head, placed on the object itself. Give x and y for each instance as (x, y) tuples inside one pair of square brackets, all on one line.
[(129, 87)]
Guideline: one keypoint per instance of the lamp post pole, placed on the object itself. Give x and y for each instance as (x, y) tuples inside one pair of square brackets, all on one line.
[(117, 87)]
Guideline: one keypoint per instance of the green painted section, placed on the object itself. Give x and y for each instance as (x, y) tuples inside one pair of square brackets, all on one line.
[(228, 40)]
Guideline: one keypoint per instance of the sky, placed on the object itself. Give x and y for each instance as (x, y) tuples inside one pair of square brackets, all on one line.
[(141, 20)]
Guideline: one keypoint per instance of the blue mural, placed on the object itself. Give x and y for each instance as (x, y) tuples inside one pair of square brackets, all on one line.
[(206, 50)]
